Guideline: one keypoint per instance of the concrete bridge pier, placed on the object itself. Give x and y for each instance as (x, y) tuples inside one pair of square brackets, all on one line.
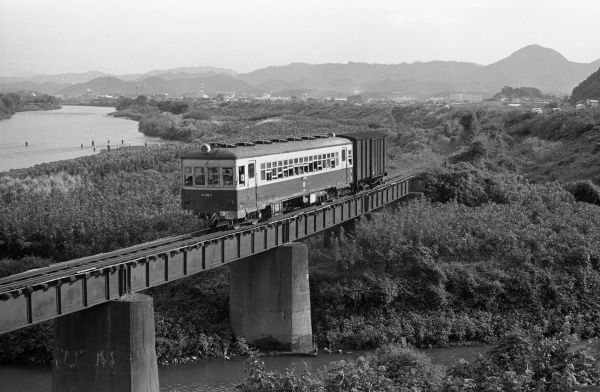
[(269, 302), (107, 348)]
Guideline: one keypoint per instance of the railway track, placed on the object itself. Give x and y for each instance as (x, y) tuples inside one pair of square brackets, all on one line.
[(86, 264)]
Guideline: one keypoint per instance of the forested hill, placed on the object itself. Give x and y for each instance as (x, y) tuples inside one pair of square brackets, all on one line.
[(588, 89)]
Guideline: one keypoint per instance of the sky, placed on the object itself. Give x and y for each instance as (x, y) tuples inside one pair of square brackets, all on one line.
[(131, 36)]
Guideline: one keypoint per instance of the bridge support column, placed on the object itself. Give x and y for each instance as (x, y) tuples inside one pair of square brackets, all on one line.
[(107, 348), (269, 302)]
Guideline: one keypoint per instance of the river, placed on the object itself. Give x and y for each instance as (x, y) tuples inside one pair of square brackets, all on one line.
[(215, 375), (53, 135)]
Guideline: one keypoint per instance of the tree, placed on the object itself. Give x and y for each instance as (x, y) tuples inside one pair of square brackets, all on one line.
[(355, 99), (141, 100)]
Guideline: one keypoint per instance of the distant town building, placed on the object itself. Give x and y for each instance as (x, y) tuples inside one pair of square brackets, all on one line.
[(592, 103), (461, 97)]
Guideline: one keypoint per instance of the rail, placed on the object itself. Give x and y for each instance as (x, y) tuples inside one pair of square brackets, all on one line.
[(46, 293)]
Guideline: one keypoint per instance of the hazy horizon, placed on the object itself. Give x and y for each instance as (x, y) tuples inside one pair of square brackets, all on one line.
[(134, 37)]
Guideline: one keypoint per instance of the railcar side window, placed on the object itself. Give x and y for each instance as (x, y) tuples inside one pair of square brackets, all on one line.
[(214, 179), (344, 155), (349, 157), (188, 179), (199, 176), (251, 170), (227, 176)]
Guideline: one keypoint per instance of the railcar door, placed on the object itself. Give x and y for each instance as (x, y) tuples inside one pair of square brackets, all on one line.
[(251, 190), (345, 165)]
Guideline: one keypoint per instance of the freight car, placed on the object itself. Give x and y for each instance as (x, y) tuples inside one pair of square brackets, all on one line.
[(231, 184)]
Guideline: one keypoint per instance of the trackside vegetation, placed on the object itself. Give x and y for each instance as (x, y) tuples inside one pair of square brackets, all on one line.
[(10, 103), (502, 248)]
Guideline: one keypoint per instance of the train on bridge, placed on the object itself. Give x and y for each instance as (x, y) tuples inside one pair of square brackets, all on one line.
[(231, 184)]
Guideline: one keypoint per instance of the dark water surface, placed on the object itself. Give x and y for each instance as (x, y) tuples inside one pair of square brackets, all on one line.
[(216, 375), (54, 135)]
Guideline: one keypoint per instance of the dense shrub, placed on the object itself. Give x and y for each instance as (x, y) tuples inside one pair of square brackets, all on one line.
[(21, 101), (71, 209), (28, 345), (585, 191), (437, 273), (525, 363), (519, 363), (390, 369), (409, 369), (565, 125), (10, 266)]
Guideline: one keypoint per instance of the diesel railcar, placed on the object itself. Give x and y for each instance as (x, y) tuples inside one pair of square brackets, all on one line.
[(230, 184)]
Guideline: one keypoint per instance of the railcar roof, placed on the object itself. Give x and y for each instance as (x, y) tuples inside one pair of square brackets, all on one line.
[(257, 150), (364, 135)]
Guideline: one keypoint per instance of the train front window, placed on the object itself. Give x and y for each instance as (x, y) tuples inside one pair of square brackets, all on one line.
[(214, 179), (251, 170), (227, 176), (199, 176), (188, 179)]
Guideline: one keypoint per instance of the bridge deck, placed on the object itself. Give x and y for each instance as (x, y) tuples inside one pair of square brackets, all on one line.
[(43, 294)]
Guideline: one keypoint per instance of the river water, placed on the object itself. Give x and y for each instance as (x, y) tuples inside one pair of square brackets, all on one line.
[(53, 135), (216, 375)]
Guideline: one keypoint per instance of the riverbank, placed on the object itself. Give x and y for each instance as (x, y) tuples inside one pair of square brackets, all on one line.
[(11, 103)]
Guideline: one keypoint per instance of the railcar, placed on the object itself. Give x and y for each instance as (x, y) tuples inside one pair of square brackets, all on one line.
[(231, 184)]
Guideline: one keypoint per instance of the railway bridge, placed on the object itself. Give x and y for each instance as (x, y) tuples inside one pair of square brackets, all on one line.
[(104, 330)]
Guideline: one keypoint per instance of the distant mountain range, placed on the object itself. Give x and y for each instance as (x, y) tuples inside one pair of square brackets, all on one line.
[(532, 66)]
